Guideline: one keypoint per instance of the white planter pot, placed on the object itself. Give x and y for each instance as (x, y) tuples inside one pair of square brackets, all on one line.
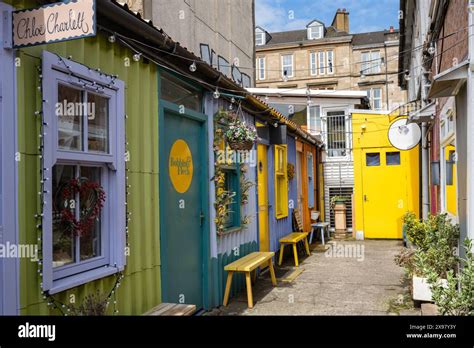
[(422, 289)]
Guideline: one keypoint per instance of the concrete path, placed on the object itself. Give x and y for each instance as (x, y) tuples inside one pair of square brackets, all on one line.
[(351, 278)]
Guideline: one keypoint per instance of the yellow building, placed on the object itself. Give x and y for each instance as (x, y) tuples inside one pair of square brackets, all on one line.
[(386, 179)]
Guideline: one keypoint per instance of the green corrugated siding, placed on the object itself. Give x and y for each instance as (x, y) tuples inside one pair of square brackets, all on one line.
[(141, 288)]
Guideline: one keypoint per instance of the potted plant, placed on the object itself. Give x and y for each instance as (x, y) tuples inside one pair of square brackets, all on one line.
[(240, 136), (435, 241), (338, 200), (456, 296)]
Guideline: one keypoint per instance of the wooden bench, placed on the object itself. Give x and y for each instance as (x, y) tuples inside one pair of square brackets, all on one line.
[(248, 264), (172, 309), (294, 238)]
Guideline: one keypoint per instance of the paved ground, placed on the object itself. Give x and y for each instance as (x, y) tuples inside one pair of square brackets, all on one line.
[(357, 278)]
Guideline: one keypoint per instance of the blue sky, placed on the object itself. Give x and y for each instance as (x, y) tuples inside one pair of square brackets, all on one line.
[(365, 15)]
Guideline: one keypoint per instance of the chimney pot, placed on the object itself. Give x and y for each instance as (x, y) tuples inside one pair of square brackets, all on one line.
[(392, 29)]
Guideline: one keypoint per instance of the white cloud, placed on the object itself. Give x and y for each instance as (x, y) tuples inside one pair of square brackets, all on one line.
[(269, 14), (272, 16)]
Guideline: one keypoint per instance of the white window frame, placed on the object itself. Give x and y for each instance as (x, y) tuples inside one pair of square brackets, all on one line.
[(259, 38), (261, 73), (446, 140), (371, 96), (348, 133), (283, 65), (330, 70), (313, 63), (321, 62), (370, 65), (319, 32), (314, 120)]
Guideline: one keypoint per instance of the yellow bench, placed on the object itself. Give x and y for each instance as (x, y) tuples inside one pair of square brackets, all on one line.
[(293, 239), (246, 265)]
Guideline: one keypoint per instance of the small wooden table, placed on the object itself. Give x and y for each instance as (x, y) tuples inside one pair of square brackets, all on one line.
[(323, 227), (246, 265)]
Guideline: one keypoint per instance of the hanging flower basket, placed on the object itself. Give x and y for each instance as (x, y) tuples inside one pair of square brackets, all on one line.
[(237, 145), (239, 135)]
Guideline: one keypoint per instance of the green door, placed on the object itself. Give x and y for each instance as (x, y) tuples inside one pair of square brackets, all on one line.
[(182, 176)]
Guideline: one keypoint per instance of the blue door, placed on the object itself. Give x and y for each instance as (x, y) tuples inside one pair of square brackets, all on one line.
[(183, 178)]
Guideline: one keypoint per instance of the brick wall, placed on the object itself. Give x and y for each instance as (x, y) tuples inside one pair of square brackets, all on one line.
[(451, 51)]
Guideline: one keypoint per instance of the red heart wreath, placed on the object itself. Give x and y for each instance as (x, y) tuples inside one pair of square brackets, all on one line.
[(88, 191)]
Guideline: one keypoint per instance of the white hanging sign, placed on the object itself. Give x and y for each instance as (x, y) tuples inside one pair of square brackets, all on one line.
[(54, 23)]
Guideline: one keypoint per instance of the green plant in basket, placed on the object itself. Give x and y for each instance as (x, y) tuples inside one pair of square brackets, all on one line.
[(240, 136)]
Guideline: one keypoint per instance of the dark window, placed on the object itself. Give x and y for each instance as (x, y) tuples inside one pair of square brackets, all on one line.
[(233, 209), (372, 159), (450, 168), (345, 192), (336, 134), (206, 53), (224, 66), (179, 93), (246, 81), (236, 75), (393, 158)]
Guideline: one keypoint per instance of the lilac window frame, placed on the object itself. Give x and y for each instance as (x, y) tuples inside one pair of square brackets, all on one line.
[(57, 71)]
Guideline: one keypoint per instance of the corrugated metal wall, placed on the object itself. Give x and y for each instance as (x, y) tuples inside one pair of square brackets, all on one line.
[(141, 287), (230, 247), (280, 227), (339, 173), (226, 244)]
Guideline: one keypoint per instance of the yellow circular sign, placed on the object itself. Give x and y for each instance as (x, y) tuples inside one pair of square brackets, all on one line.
[(181, 166)]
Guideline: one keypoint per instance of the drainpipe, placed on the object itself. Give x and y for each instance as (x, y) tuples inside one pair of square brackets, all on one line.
[(425, 156), (386, 78), (470, 131)]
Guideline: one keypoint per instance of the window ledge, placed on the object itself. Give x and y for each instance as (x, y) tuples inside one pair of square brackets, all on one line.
[(232, 230), (82, 278)]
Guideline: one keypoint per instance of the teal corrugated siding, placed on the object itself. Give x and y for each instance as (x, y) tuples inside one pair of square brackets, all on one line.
[(238, 280)]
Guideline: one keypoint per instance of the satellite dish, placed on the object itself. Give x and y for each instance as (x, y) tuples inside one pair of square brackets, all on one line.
[(404, 136)]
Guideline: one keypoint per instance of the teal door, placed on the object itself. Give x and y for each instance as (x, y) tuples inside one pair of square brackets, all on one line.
[(182, 201)]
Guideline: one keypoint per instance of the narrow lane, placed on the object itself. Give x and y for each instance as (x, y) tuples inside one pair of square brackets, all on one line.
[(352, 278)]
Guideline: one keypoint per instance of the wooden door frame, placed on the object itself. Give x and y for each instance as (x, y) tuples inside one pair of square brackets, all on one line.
[(165, 106)]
